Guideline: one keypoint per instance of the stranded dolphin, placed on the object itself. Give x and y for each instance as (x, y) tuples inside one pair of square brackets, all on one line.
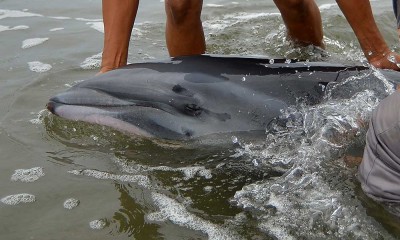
[(189, 97)]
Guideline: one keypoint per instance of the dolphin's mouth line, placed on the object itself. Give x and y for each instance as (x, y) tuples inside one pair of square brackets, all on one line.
[(144, 104)]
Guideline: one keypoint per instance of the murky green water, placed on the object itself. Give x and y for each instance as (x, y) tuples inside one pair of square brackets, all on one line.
[(131, 188)]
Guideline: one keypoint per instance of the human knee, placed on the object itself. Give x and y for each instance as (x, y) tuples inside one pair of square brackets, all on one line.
[(180, 11), (292, 4)]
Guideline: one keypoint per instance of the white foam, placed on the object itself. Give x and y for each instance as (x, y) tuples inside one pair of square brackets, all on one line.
[(216, 25), (4, 28), (99, 26), (39, 116), (7, 28), (141, 180), (229, 20), (28, 43), (20, 27), (5, 13), (92, 62), (60, 18), (188, 172), (214, 5), (27, 175), (18, 198), (248, 16), (176, 212), (71, 203), (56, 29), (327, 6), (97, 224), (89, 20), (39, 67)]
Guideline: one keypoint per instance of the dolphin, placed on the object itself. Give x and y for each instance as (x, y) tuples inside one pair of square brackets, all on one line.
[(194, 96)]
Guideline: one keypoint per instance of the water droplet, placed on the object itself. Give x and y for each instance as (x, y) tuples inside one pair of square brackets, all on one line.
[(271, 61), (234, 139), (288, 61), (255, 163), (369, 53), (391, 59), (243, 79)]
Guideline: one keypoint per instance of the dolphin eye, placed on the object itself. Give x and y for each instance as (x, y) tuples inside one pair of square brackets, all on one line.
[(178, 88), (193, 110)]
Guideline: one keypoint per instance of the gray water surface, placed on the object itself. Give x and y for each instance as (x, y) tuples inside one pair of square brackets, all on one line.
[(283, 186)]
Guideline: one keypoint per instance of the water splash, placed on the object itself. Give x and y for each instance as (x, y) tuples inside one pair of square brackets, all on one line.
[(307, 201)]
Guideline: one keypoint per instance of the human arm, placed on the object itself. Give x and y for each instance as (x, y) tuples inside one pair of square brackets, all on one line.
[(118, 17), (359, 15)]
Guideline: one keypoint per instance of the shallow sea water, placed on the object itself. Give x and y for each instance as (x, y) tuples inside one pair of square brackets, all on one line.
[(67, 180)]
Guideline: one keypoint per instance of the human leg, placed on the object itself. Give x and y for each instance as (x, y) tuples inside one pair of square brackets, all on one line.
[(303, 21), (396, 10), (118, 17), (184, 31)]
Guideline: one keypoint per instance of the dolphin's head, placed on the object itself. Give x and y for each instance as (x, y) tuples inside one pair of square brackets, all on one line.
[(169, 105)]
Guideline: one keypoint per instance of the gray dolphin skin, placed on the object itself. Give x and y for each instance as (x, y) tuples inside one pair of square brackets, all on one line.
[(193, 96)]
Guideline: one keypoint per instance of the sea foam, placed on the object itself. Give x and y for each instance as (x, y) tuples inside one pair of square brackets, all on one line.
[(39, 67), (141, 180), (7, 28), (97, 224), (27, 175), (28, 43), (18, 198), (92, 62), (71, 203), (5, 13), (176, 212)]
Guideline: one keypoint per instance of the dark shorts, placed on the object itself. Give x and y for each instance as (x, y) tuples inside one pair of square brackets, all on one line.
[(379, 171)]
